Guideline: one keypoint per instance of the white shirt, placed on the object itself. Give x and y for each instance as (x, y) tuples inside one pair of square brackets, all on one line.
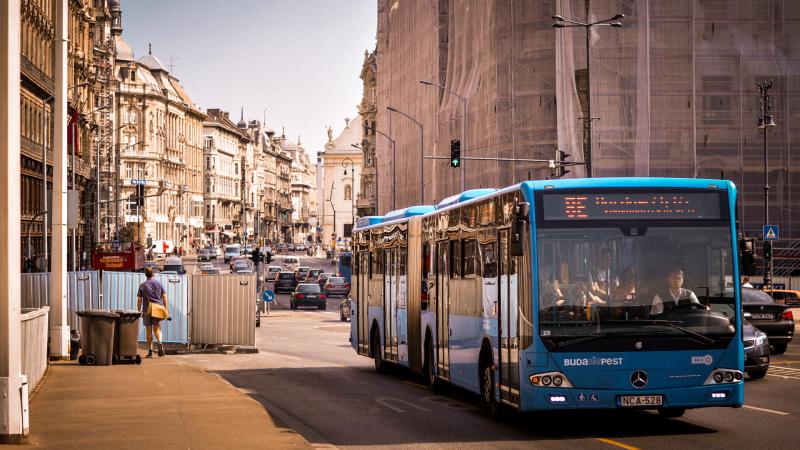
[(683, 294)]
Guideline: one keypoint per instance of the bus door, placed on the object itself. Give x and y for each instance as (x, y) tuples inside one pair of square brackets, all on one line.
[(362, 300), (442, 311), (508, 310), (390, 304)]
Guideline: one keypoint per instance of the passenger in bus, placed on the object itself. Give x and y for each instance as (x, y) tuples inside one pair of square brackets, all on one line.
[(550, 292), (673, 294), (624, 294)]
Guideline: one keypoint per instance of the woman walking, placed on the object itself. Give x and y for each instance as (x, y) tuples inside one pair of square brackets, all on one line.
[(152, 292)]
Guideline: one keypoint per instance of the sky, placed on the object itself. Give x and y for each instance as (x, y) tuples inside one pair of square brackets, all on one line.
[(298, 59)]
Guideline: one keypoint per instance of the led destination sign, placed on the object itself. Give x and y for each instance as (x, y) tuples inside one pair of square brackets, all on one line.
[(631, 205)]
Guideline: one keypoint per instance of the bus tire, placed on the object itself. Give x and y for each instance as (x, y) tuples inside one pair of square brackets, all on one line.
[(429, 370), (380, 364), (497, 410)]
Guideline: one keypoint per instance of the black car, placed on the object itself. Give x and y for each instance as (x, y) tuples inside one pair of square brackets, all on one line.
[(322, 278), (756, 351), (285, 282), (204, 255), (308, 294), (771, 318)]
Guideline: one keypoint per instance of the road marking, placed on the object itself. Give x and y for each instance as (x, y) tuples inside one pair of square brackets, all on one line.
[(617, 444), (784, 372), (771, 411), (417, 385), (791, 369), (385, 402)]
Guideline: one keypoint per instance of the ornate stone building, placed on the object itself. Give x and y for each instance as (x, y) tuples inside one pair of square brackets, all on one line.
[(223, 148), (37, 89), (368, 193), (303, 192), (284, 193), (159, 145), (343, 173)]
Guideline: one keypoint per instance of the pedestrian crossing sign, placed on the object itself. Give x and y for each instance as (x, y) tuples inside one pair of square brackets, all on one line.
[(770, 232)]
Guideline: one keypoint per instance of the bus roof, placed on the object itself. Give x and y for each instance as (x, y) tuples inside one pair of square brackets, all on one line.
[(475, 195), (367, 221)]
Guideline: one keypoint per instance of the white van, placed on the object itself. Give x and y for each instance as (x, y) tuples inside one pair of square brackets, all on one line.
[(291, 263), (161, 248)]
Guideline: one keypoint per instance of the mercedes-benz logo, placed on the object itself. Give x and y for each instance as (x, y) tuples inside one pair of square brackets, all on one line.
[(639, 379)]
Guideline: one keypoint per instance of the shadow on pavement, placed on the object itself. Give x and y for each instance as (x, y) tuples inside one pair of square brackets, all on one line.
[(347, 406)]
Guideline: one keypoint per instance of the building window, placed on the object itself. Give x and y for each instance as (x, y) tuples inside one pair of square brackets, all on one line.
[(128, 170), (348, 192)]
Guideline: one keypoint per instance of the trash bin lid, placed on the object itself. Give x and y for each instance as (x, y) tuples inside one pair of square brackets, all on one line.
[(97, 313), (127, 313)]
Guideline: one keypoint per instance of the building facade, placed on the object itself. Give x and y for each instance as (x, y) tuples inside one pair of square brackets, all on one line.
[(303, 193), (223, 148), (674, 94), (343, 172), (367, 202), (159, 137)]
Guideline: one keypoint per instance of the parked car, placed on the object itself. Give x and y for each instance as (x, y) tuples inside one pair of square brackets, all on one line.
[(771, 318), (241, 266), (756, 351), (204, 255), (301, 273), (290, 247), (322, 278), (312, 275), (281, 247), (786, 297), (337, 286), (299, 248), (232, 251), (248, 249), (286, 282), (344, 309), (272, 273), (307, 294), (291, 263), (174, 264)]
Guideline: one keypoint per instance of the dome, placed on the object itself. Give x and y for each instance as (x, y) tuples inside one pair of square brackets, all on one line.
[(152, 63), (124, 52), (289, 145)]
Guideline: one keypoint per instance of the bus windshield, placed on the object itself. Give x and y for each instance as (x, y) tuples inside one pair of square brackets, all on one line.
[(669, 285)]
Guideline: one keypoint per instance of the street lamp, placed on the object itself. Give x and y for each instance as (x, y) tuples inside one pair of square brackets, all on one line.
[(561, 22), (352, 191), (421, 152), (394, 171), (463, 124), (765, 122)]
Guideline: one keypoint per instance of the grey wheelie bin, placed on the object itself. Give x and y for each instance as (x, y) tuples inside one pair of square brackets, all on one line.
[(97, 337), (126, 337)]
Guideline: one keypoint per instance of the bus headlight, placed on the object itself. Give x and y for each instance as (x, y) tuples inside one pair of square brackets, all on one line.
[(547, 379), (724, 376)]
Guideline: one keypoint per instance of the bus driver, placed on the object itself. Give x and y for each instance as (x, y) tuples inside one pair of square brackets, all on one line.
[(674, 294)]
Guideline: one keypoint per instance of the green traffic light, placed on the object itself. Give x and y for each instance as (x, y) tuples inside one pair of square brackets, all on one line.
[(455, 163)]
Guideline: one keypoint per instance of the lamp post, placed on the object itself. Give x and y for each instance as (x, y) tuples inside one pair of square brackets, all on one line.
[(352, 192), (561, 22), (463, 125), (765, 122), (421, 152), (394, 171)]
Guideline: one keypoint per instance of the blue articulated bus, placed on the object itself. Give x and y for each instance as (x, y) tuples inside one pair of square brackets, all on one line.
[(597, 293)]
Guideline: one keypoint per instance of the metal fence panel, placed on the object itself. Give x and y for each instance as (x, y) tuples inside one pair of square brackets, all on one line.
[(83, 292), (224, 309), (120, 289), (34, 328)]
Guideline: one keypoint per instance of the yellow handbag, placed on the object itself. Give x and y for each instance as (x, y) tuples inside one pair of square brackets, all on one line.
[(157, 311)]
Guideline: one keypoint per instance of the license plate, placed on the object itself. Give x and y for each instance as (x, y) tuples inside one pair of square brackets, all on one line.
[(312, 296), (763, 316), (638, 401)]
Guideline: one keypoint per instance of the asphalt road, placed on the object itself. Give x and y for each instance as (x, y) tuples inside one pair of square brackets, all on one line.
[(309, 378)]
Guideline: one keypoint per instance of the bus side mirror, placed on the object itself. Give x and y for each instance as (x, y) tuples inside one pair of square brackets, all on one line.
[(517, 244)]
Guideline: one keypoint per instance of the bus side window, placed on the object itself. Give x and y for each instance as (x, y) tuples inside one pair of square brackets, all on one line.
[(455, 259)]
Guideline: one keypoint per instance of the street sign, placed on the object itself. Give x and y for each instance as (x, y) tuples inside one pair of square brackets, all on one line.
[(268, 296), (770, 232), (138, 181)]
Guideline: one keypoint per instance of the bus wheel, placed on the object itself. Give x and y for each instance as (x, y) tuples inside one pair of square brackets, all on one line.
[(430, 373), (380, 365), (497, 410)]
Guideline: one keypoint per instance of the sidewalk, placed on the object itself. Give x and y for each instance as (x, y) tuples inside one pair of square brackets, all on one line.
[(164, 403)]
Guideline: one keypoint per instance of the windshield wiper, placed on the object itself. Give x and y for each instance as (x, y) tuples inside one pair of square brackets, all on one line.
[(668, 323), (594, 337)]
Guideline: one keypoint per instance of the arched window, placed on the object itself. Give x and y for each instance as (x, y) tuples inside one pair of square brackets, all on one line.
[(348, 192)]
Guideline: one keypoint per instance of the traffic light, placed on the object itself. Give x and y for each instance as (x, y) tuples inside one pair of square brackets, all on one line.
[(256, 256), (455, 153), (139, 195), (768, 250), (268, 257), (561, 164), (747, 259)]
